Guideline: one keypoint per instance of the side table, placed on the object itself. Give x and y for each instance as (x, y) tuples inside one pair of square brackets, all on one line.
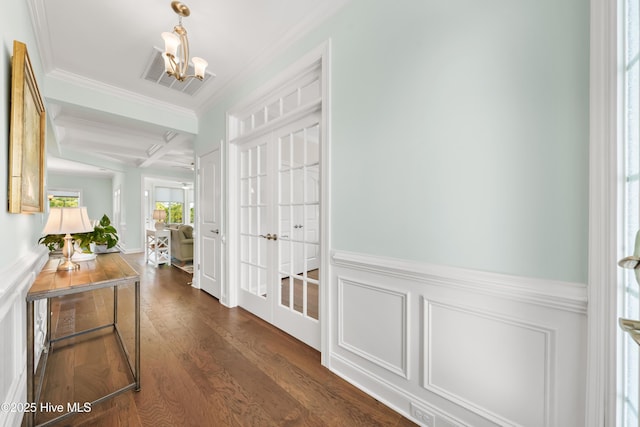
[(158, 247)]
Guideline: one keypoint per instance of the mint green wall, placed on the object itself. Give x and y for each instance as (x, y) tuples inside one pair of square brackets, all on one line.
[(21, 230), (130, 181), (96, 192), (98, 197), (459, 132)]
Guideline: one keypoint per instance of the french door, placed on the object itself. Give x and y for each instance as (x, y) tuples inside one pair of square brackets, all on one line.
[(279, 230)]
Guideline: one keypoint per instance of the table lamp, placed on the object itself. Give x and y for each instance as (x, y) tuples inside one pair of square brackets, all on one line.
[(67, 221), (159, 215)]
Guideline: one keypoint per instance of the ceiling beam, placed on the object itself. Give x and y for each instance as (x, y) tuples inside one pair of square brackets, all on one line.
[(162, 150)]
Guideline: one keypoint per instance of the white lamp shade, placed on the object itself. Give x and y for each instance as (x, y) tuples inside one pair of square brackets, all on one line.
[(67, 221), (171, 43), (167, 64), (199, 65), (159, 214)]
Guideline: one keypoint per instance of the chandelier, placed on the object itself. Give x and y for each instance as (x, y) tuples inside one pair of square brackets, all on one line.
[(177, 64)]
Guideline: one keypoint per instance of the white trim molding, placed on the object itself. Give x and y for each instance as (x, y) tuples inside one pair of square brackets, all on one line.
[(532, 357), (602, 275), (375, 299), (17, 279), (452, 346), (548, 293)]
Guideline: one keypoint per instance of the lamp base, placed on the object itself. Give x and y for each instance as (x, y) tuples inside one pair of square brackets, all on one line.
[(159, 225), (67, 252), (68, 265)]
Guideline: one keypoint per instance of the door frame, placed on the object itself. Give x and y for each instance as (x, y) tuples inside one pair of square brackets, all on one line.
[(321, 55), (602, 287)]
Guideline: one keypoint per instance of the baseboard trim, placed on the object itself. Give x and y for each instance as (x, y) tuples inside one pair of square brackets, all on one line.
[(392, 396), (19, 387), (131, 251)]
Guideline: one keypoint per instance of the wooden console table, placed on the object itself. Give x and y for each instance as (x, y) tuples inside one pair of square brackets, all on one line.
[(105, 271)]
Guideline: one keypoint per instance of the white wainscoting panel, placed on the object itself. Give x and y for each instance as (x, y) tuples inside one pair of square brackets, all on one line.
[(466, 350), (17, 280), (453, 347), (372, 323)]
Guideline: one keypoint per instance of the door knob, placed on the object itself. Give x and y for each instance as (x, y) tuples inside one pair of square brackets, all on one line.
[(216, 231)]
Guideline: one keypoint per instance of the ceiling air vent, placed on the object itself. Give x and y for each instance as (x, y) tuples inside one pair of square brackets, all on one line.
[(169, 135), (156, 73)]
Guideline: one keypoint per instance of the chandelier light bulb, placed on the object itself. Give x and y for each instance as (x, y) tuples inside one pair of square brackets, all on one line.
[(171, 43), (199, 66)]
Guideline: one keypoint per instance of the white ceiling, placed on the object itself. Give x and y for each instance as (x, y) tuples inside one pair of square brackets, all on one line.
[(109, 44)]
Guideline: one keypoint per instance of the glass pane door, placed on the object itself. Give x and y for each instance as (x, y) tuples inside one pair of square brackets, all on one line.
[(279, 209), (254, 219), (299, 220)]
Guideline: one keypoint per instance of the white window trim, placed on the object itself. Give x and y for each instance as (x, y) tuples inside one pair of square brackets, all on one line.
[(64, 192)]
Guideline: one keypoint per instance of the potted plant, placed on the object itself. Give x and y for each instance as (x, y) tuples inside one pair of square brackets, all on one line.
[(104, 236), (53, 242)]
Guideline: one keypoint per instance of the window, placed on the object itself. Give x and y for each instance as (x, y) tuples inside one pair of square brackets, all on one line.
[(171, 200), (173, 209), (302, 91), (630, 78), (63, 198)]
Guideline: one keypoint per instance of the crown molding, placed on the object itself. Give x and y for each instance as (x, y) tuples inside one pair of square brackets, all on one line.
[(45, 49), (294, 34), (124, 94), (41, 30)]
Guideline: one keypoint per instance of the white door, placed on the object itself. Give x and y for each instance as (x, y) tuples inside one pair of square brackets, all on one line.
[(256, 211), (208, 227), (279, 245)]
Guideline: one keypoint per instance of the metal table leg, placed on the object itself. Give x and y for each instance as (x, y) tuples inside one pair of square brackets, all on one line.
[(137, 326)]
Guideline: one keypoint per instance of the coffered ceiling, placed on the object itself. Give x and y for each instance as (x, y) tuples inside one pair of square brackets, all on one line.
[(109, 46)]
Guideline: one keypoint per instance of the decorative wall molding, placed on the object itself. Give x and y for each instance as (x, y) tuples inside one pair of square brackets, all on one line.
[(482, 349), (529, 362), (374, 298), (16, 277), (547, 293), (13, 290)]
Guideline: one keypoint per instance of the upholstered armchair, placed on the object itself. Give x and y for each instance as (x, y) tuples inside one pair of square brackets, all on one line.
[(182, 243)]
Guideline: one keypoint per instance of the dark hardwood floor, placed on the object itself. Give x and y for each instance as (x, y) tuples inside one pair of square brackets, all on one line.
[(202, 365)]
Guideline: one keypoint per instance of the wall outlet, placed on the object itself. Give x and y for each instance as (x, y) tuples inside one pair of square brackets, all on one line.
[(423, 416)]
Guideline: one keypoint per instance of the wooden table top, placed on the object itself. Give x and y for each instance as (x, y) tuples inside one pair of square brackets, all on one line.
[(104, 271)]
